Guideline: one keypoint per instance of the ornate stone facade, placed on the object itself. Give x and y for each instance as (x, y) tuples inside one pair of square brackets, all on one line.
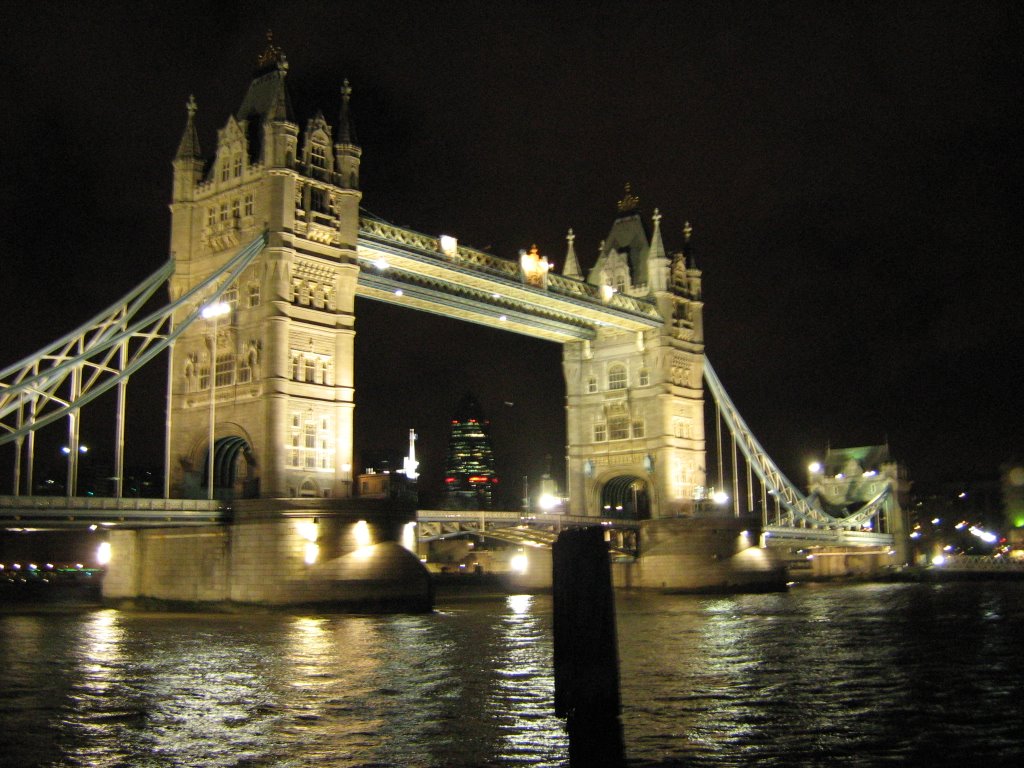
[(635, 401), (280, 363)]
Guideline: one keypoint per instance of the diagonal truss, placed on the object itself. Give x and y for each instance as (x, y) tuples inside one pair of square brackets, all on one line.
[(60, 379), (778, 485)]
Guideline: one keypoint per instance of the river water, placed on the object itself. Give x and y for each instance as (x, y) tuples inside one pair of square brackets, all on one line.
[(859, 675)]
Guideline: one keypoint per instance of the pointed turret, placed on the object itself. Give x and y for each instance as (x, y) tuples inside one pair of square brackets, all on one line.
[(346, 151), (572, 264), (657, 261), (188, 161)]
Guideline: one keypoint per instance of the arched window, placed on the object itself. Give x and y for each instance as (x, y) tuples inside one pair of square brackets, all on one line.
[(617, 376)]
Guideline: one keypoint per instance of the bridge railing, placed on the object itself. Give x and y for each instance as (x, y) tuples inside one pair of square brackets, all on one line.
[(105, 504)]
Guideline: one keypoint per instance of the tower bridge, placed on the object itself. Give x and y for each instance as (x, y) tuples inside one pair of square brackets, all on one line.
[(267, 231)]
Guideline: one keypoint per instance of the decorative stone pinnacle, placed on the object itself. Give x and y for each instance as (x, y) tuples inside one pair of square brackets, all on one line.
[(687, 231), (656, 217), (346, 90), (191, 105), (570, 237)]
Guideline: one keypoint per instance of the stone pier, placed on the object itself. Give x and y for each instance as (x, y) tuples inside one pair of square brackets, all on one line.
[(275, 553)]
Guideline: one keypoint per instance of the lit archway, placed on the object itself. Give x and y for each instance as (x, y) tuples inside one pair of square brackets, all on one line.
[(625, 496)]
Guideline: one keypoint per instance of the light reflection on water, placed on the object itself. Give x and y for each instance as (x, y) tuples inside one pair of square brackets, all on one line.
[(863, 675)]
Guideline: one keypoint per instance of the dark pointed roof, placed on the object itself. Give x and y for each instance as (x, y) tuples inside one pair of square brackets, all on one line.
[(267, 97), (629, 235)]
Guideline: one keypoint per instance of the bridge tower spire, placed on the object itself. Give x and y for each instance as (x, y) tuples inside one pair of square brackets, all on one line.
[(280, 368)]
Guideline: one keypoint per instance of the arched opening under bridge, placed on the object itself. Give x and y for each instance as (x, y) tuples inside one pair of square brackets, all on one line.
[(234, 469), (626, 497)]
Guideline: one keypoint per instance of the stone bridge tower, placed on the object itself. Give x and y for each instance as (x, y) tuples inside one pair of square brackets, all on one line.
[(280, 363), (635, 402)]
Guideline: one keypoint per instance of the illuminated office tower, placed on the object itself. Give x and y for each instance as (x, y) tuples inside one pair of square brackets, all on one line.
[(469, 469)]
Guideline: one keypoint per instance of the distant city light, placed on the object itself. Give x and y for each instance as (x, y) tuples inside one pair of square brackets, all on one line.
[(988, 538)]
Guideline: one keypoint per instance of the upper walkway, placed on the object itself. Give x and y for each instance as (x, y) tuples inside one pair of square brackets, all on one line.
[(403, 267)]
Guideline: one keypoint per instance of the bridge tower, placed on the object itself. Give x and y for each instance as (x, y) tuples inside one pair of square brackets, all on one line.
[(279, 365), (635, 401)]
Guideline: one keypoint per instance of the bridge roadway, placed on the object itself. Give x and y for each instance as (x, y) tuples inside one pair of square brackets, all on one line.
[(410, 269), (63, 512), (535, 530)]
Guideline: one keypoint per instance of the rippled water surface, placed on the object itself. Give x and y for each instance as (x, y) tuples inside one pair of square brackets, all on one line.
[(822, 675)]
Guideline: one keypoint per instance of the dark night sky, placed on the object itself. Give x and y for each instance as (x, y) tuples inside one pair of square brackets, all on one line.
[(851, 171)]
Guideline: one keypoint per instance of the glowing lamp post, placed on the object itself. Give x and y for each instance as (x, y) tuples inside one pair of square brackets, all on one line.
[(213, 312)]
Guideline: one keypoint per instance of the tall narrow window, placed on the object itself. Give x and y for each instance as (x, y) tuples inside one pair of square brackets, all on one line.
[(250, 204), (225, 370), (254, 295), (238, 165)]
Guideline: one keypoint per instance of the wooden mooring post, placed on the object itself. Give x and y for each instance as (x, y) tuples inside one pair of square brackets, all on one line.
[(586, 649)]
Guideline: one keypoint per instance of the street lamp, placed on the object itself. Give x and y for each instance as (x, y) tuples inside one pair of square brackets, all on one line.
[(213, 312)]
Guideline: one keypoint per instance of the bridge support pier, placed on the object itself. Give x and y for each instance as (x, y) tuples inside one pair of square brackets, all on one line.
[(275, 553), (701, 554)]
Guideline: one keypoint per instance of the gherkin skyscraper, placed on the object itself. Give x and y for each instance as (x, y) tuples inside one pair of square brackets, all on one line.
[(469, 470)]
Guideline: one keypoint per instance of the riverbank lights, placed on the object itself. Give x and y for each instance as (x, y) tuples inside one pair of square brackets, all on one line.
[(409, 537), (310, 531), (103, 553), (519, 563), (361, 533)]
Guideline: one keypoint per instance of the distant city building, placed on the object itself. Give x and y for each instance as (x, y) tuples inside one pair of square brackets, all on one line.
[(469, 469), (1012, 482)]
